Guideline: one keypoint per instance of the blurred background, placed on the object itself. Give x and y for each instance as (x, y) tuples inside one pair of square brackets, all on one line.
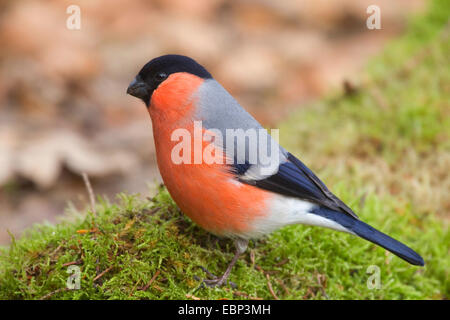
[(63, 107)]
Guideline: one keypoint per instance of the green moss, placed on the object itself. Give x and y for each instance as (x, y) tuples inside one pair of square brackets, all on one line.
[(369, 147), (135, 239)]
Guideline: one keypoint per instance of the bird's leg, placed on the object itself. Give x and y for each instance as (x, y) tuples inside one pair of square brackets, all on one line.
[(241, 246)]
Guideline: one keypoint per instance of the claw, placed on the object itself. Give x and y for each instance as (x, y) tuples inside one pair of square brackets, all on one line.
[(213, 282), (241, 245), (217, 282), (209, 273)]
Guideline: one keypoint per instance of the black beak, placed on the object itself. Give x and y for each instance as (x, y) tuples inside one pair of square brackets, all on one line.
[(139, 89)]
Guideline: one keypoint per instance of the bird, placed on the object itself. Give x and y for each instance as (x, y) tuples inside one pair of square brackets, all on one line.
[(240, 195)]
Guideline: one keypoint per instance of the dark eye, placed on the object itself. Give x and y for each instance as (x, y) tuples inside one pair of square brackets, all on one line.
[(160, 76)]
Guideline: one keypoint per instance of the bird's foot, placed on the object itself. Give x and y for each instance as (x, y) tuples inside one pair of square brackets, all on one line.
[(214, 281), (217, 282)]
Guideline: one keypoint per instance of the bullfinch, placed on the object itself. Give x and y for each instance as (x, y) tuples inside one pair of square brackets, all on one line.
[(232, 178)]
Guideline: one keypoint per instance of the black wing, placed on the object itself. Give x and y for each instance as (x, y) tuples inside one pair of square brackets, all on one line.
[(294, 179)]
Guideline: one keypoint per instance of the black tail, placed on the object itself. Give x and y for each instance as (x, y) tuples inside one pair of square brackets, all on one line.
[(371, 234)]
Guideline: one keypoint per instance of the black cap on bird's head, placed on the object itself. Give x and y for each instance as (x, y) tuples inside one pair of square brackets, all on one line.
[(158, 70)]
